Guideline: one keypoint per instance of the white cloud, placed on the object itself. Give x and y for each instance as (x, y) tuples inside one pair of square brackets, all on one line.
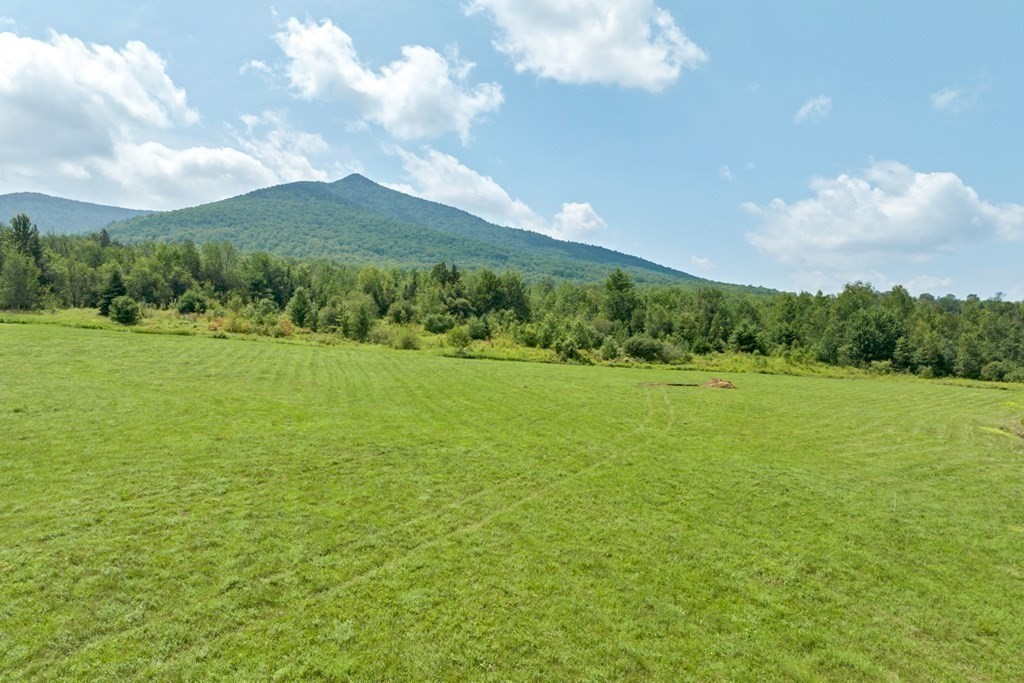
[(813, 110), (61, 97), (631, 43), (442, 178), (888, 214), (284, 151), (702, 262), (577, 222), (421, 95), (155, 176), (7, 21), (932, 284), (92, 122), (255, 66), (956, 100), (725, 173)]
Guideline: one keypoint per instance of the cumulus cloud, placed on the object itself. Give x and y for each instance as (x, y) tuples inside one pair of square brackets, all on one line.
[(421, 95), (255, 66), (631, 43), (726, 174), (890, 213), (442, 178), (955, 100), (702, 262), (577, 222), (264, 151), (813, 110), (283, 150), (86, 121), (61, 96), (156, 176)]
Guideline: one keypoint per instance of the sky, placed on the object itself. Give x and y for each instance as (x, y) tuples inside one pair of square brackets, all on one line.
[(798, 145)]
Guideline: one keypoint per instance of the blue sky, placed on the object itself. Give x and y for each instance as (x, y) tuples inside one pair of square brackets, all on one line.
[(797, 145)]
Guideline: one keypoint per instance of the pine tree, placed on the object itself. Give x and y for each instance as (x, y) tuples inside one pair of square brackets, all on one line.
[(115, 288), (300, 308), (26, 239)]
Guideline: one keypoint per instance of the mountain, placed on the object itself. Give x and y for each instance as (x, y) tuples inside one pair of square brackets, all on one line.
[(358, 221), (54, 214)]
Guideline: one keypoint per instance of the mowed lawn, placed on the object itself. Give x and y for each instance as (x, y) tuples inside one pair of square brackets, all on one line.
[(190, 508)]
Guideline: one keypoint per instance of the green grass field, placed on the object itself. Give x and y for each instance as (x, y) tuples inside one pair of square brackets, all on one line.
[(190, 508)]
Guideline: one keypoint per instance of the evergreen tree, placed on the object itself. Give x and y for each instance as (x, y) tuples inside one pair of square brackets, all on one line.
[(115, 288), (620, 297), (25, 237), (300, 309)]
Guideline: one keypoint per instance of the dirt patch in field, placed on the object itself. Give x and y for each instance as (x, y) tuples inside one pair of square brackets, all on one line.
[(713, 383)]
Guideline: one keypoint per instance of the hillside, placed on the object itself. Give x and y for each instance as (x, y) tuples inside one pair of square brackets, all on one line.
[(55, 214), (359, 221)]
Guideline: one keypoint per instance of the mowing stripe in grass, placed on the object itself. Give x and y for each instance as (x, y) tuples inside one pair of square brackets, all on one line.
[(184, 507)]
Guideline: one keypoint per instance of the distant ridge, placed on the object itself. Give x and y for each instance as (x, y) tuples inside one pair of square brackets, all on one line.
[(58, 215), (358, 221)]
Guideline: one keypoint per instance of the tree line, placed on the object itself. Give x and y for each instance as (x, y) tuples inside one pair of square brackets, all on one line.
[(262, 293)]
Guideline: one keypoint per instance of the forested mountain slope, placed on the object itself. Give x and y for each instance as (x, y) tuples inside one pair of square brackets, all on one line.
[(58, 215), (358, 221)]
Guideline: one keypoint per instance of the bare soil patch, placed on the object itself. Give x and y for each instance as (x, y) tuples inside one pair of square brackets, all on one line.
[(713, 383)]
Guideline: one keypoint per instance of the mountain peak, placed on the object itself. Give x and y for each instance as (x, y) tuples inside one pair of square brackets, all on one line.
[(360, 221), (356, 179)]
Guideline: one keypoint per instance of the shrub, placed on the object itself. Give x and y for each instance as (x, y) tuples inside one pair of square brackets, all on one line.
[(192, 301), (701, 347), (381, 335), (328, 318), (585, 335), (880, 367), (996, 371), (238, 325), (643, 347), (526, 335), (1015, 375), (438, 323), (125, 310), (400, 313), (478, 328), (458, 338), (262, 312), (284, 328), (610, 348), (567, 349), (407, 340), (670, 353)]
